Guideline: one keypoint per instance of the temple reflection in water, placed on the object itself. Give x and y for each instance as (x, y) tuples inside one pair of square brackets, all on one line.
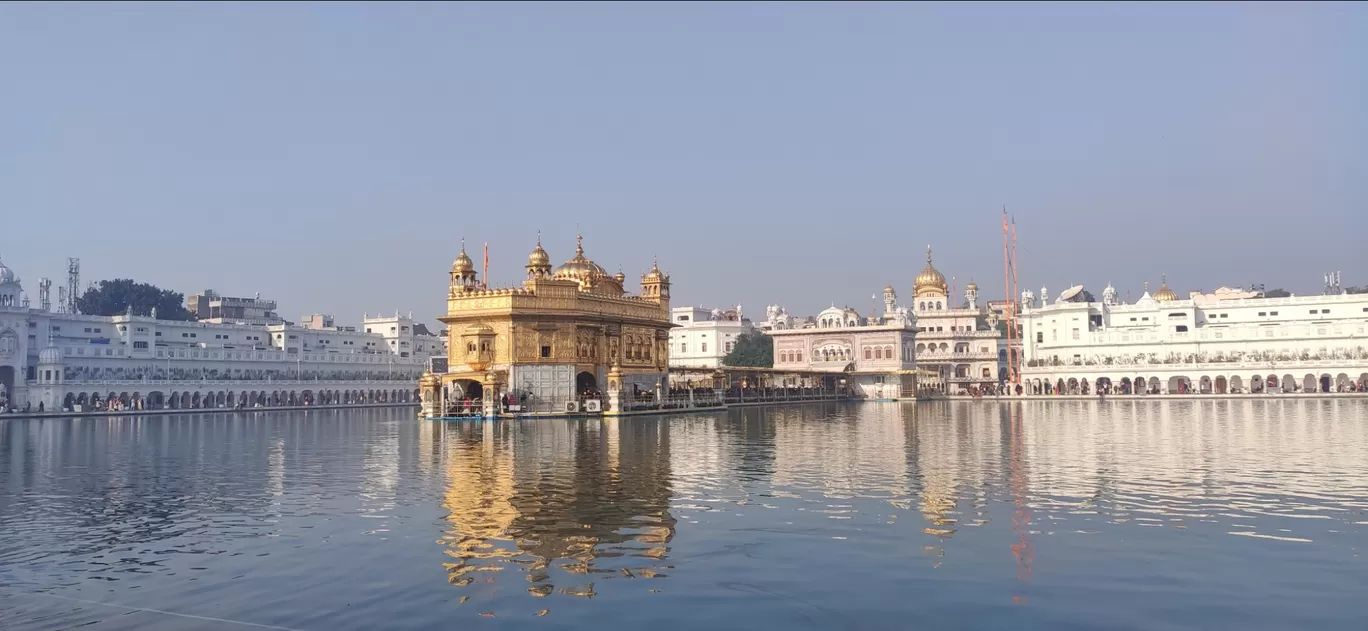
[(576, 502)]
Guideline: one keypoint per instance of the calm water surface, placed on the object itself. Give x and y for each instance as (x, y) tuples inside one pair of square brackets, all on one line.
[(973, 515)]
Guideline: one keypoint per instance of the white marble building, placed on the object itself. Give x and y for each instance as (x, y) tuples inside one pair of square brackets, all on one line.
[(702, 337), (875, 354), (64, 360), (1223, 342), (960, 344)]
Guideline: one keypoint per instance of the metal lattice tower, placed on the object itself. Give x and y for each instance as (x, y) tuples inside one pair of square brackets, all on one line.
[(1332, 284), (73, 288), (45, 293)]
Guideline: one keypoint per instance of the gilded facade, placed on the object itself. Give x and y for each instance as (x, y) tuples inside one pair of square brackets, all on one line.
[(556, 344)]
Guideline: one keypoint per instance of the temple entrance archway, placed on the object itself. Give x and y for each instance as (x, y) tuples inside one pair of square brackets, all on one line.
[(585, 382)]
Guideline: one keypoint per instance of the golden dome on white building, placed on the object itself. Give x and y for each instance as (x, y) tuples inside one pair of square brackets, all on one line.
[(929, 281), (1165, 294)]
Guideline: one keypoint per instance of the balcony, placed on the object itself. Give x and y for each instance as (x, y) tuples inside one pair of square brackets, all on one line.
[(956, 357)]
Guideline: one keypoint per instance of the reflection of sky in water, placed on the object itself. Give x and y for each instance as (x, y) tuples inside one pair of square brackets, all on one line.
[(1248, 514)]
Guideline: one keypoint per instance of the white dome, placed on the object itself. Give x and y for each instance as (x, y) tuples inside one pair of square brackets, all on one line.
[(7, 275), (50, 355)]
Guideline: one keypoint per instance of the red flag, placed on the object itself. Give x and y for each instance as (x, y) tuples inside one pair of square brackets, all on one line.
[(486, 263)]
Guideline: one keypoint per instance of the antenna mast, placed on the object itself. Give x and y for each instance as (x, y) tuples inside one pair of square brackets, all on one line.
[(73, 288)]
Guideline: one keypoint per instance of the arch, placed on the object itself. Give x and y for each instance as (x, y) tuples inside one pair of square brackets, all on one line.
[(870, 352), (1179, 385), (185, 401), (469, 388), (1141, 387), (1236, 385), (585, 382), (68, 401), (1204, 384), (1103, 385), (1289, 383), (306, 397), (961, 347), (1126, 385), (415, 395), (221, 399), (232, 399), (1221, 385), (195, 400), (1343, 383), (1154, 385), (1327, 383), (1060, 387)]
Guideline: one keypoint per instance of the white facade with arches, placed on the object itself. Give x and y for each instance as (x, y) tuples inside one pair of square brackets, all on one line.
[(960, 344), (61, 360), (1209, 343)]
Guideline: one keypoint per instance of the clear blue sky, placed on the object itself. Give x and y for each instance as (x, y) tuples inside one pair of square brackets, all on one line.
[(333, 155)]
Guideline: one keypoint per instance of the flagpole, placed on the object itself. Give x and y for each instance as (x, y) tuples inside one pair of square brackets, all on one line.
[(486, 264)]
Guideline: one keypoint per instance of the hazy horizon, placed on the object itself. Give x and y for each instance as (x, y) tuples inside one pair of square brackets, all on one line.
[(333, 156)]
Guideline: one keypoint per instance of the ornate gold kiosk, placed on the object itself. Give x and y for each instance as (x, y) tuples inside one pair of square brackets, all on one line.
[(546, 348)]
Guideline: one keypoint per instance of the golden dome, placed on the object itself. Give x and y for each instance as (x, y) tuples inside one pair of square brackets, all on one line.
[(620, 277), (1165, 294), (580, 266), (538, 257), (654, 275), (929, 278), (888, 289), (463, 262), (430, 380)]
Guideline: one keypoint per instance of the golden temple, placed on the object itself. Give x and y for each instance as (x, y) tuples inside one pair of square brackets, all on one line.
[(549, 346)]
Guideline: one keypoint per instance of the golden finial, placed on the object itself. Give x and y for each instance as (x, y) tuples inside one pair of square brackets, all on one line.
[(539, 238), (579, 245), (928, 253)]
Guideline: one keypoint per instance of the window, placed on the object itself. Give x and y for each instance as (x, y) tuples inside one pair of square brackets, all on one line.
[(58, 328), (1315, 311), (97, 329), (1075, 333), (1182, 328), (1054, 335), (705, 347), (868, 354), (545, 352), (798, 356), (1325, 311), (1132, 320), (158, 334), (1040, 336), (730, 346), (87, 329), (682, 318), (1272, 313), (1225, 315), (140, 345), (683, 347), (1263, 313)]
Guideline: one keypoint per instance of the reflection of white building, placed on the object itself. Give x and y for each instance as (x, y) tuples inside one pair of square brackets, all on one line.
[(876, 353), (1221, 342), (960, 344), (62, 359), (702, 337)]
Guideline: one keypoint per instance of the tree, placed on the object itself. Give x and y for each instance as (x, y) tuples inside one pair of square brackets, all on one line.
[(1356, 290), (753, 349), (114, 297), (1277, 293), (1088, 297)]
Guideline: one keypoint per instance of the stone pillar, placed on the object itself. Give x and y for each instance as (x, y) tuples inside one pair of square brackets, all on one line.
[(614, 390), (430, 389), (490, 397)]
